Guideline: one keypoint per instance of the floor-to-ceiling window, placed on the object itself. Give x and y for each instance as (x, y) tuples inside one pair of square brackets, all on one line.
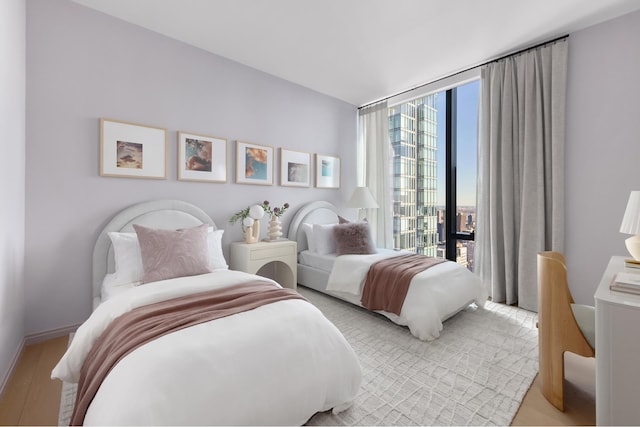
[(434, 140)]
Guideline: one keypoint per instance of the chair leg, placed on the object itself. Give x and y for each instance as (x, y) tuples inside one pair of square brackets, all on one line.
[(552, 378)]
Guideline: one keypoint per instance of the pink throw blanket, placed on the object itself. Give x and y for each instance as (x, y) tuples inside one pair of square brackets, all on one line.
[(388, 281), (143, 324)]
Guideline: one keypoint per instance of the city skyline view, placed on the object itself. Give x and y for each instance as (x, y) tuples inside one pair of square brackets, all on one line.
[(418, 136)]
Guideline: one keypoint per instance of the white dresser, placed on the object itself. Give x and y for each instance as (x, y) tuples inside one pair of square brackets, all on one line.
[(617, 351)]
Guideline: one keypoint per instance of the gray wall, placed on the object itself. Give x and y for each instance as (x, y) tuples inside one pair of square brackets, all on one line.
[(83, 65), (603, 146), (12, 172)]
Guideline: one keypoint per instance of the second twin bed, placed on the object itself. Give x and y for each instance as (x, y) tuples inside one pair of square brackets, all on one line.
[(433, 296)]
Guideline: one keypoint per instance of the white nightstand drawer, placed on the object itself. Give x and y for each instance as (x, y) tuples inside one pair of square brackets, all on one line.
[(261, 253)]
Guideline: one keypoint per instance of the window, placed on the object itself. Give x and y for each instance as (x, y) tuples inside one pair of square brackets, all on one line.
[(434, 141)]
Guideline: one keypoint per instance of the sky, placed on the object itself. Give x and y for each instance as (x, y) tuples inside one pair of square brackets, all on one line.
[(467, 131)]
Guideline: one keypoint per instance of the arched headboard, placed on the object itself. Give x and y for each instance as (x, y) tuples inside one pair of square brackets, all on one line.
[(320, 212), (167, 214)]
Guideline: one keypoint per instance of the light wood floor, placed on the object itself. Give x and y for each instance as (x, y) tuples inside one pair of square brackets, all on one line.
[(579, 397), (32, 398)]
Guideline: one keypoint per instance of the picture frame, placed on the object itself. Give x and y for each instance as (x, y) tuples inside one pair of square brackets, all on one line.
[(327, 171), (254, 163), (202, 158), (131, 150), (295, 168)]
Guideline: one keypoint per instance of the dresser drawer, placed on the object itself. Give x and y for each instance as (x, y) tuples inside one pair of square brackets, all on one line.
[(265, 253)]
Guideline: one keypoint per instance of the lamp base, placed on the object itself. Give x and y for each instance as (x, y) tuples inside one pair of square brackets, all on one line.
[(633, 246)]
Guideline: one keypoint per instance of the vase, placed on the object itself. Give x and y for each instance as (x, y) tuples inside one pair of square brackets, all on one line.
[(275, 228)]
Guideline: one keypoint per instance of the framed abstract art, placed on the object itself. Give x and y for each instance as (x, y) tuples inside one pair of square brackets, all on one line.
[(254, 163), (131, 150), (202, 158), (295, 168), (327, 171)]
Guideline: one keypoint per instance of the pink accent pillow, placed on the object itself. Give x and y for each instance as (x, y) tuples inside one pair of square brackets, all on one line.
[(353, 238), (167, 254)]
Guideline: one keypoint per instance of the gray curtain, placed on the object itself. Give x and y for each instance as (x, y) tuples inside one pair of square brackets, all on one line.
[(520, 170), (374, 169)]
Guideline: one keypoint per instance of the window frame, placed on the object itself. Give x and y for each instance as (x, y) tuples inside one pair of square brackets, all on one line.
[(449, 86)]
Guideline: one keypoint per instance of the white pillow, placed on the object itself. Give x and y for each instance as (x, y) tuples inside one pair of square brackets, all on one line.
[(128, 259), (323, 238), (216, 257), (308, 231)]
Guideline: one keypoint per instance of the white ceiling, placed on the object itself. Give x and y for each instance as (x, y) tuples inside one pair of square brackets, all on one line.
[(363, 50)]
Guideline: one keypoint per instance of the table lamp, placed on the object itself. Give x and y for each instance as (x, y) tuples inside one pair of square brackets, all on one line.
[(361, 199), (252, 224), (631, 224)]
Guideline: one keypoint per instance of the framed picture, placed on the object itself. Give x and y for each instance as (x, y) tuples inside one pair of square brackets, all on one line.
[(295, 168), (327, 171), (202, 158), (132, 151), (254, 163)]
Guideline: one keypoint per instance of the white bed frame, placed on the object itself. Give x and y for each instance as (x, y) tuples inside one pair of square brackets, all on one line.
[(320, 212), (166, 214), (325, 213)]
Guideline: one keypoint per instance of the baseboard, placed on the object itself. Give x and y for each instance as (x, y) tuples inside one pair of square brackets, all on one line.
[(12, 367), (33, 339), (48, 335)]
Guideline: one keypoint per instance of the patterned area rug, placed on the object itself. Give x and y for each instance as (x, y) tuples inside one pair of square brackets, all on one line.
[(476, 373)]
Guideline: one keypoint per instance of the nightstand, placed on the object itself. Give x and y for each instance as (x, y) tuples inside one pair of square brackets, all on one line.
[(250, 257)]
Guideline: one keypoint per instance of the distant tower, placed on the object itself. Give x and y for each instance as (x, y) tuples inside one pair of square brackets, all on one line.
[(460, 222), (412, 132)]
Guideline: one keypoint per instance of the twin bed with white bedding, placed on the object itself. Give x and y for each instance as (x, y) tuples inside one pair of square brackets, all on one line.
[(276, 364), (433, 296)]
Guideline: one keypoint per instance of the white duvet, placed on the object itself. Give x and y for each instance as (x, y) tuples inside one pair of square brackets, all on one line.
[(275, 365), (434, 295)]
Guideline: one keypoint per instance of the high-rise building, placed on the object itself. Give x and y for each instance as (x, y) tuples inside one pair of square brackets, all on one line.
[(412, 133), (460, 221), (461, 254)]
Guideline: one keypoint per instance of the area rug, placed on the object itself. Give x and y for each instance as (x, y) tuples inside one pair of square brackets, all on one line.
[(476, 373)]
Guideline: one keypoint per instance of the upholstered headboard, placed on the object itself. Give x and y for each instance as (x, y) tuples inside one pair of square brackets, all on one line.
[(167, 214), (320, 212)]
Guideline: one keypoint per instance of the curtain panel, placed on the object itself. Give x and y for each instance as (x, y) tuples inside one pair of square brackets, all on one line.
[(520, 170), (374, 169)]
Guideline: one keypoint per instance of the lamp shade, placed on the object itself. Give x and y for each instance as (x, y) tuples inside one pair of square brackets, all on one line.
[(256, 212), (362, 198), (631, 219)]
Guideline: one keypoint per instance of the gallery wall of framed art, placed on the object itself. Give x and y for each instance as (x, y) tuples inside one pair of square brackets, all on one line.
[(131, 150)]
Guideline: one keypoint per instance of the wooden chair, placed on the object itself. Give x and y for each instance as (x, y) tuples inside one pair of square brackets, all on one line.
[(558, 329)]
